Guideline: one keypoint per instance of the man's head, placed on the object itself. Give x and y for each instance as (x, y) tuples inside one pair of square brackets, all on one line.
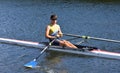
[(53, 17)]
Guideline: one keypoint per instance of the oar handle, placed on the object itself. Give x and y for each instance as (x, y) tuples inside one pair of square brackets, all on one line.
[(88, 37)]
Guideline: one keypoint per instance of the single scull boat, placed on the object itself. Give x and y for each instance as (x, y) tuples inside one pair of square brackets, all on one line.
[(84, 50)]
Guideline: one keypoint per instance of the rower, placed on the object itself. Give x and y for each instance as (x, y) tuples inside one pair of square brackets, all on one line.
[(53, 30)]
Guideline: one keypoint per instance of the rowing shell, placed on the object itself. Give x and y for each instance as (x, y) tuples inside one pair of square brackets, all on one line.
[(84, 50)]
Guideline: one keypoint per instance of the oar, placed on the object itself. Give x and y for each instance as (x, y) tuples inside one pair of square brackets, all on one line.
[(33, 63), (73, 38), (88, 37)]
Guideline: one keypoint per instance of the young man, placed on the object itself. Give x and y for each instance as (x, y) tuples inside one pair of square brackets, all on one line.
[(53, 30)]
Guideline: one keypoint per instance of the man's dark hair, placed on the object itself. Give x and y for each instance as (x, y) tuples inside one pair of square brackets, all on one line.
[(54, 16)]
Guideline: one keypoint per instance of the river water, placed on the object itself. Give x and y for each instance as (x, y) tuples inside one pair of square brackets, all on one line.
[(27, 19)]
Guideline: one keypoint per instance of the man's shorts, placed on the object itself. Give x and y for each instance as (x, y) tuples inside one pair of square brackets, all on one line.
[(56, 42)]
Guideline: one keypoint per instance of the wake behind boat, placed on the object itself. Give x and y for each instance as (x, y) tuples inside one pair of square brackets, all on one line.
[(83, 50)]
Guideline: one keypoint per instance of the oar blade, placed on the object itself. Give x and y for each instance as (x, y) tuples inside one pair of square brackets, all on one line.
[(31, 64)]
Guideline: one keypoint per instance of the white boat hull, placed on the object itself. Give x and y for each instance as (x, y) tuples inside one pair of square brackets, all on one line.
[(95, 52)]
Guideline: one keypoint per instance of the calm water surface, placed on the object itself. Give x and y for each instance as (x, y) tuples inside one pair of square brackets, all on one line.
[(27, 19)]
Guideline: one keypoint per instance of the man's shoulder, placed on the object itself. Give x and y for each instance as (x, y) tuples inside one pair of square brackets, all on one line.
[(58, 25), (48, 26)]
